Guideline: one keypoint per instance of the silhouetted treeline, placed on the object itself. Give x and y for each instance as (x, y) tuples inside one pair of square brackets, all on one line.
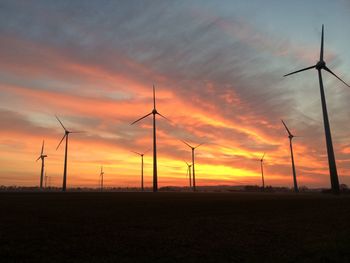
[(218, 188)]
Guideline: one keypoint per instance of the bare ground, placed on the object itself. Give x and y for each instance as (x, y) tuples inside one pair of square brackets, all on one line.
[(174, 227)]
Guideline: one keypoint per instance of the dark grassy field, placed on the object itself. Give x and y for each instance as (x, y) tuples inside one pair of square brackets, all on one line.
[(174, 227)]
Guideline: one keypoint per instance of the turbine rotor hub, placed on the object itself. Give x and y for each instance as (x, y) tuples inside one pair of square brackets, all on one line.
[(320, 65), (154, 111)]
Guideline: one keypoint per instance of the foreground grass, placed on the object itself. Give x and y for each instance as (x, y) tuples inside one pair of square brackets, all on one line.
[(174, 227)]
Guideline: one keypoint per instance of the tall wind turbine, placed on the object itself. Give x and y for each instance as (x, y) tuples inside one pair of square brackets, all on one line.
[(291, 136), (42, 156), (141, 154), (154, 112), (65, 136), (262, 171), (189, 173), (101, 178), (193, 170), (321, 64)]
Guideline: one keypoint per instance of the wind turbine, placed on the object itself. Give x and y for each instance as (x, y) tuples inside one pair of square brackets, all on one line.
[(65, 136), (42, 157), (154, 112), (321, 64), (101, 178), (141, 154), (262, 171), (189, 173), (193, 170), (291, 136)]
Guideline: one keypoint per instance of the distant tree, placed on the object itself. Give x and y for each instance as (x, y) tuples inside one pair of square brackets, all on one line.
[(303, 188), (343, 187), (252, 188)]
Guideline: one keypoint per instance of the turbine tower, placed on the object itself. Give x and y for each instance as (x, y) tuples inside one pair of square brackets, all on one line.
[(262, 171), (42, 156), (141, 154), (321, 64), (154, 112), (291, 136), (101, 178), (189, 173), (65, 136), (193, 170)]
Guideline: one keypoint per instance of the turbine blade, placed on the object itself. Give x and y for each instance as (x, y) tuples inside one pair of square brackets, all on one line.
[(38, 158), (141, 118), (42, 148), (262, 158), (164, 117), (287, 128), (154, 97), (330, 71), (60, 123), (136, 152), (322, 40), (199, 145), (77, 132), (300, 70), (187, 144), (147, 151), (64, 136)]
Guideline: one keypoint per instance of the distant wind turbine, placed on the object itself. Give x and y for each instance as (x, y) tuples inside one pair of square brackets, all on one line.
[(65, 136), (321, 64), (141, 154), (189, 173), (291, 136), (193, 169), (101, 178), (262, 171), (42, 156), (154, 112)]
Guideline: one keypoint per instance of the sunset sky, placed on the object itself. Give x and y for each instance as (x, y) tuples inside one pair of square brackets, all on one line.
[(218, 70)]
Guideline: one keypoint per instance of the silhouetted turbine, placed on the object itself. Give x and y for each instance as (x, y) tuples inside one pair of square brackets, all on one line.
[(193, 169), (189, 173), (65, 136), (141, 154), (154, 112), (42, 157), (291, 136), (321, 64), (262, 170), (101, 178)]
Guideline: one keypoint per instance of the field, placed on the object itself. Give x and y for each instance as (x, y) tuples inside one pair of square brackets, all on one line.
[(174, 227)]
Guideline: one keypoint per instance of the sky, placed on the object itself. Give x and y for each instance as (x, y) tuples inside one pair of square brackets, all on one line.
[(218, 70)]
